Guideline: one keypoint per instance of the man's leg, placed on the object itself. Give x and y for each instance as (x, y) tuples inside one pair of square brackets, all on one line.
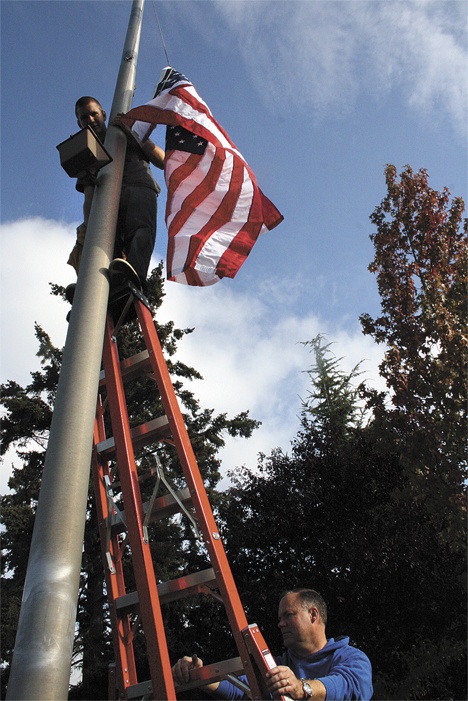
[(137, 227)]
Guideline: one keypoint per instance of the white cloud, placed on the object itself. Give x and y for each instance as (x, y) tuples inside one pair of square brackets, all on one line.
[(247, 346), (34, 252), (424, 51), (251, 356), (319, 56)]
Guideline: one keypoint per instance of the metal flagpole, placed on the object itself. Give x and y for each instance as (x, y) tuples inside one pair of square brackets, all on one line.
[(44, 642)]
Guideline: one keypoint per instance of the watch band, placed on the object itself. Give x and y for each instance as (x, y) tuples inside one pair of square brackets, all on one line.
[(306, 688)]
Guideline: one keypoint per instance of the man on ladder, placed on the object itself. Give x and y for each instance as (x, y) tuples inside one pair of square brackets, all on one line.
[(136, 224), (312, 667)]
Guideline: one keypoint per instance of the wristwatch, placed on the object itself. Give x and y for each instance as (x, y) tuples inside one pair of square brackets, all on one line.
[(306, 688)]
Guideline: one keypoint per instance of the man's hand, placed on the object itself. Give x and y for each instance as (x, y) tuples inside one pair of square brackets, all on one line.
[(181, 669), (153, 153), (281, 681), (181, 672), (117, 122)]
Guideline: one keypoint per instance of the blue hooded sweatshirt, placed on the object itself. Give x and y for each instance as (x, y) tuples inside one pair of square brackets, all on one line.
[(344, 670)]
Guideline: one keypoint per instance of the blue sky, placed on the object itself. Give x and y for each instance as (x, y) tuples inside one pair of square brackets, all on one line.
[(317, 95)]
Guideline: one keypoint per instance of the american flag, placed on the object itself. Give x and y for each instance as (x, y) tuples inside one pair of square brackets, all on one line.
[(215, 210)]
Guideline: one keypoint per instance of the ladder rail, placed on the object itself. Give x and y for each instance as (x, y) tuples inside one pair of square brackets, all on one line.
[(189, 466), (234, 608), (115, 583), (158, 656)]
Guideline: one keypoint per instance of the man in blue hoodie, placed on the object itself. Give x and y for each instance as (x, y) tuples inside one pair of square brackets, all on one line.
[(313, 667)]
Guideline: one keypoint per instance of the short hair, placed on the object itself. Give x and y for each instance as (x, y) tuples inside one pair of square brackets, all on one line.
[(308, 598), (85, 100)]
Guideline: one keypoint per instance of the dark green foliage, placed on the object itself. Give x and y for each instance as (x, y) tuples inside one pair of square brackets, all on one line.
[(334, 516), (373, 514), (25, 425)]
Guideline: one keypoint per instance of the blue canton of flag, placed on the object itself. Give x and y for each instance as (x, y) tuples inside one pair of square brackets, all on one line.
[(169, 77), (180, 139)]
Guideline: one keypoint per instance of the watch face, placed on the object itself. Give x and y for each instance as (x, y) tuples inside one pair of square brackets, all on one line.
[(307, 689)]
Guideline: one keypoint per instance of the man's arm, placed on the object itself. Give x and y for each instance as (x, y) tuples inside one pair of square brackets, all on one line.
[(350, 677), (88, 193), (153, 153)]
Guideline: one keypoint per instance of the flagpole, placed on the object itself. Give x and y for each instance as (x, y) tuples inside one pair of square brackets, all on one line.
[(42, 656)]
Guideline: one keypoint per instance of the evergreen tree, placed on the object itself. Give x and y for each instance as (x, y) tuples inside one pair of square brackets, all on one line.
[(26, 425), (330, 516), (298, 520)]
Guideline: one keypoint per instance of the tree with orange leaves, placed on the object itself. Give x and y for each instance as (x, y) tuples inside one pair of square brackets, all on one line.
[(421, 266)]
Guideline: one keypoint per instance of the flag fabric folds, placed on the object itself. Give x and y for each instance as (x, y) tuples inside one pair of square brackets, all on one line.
[(215, 210)]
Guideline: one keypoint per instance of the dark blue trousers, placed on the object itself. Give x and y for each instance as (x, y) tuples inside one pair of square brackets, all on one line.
[(136, 228)]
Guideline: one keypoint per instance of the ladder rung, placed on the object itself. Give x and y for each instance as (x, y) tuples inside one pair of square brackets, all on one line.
[(163, 507), (153, 430), (127, 602), (186, 586), (207, 674), (212, 673), (171, 591), (138, 691), (131, 368)]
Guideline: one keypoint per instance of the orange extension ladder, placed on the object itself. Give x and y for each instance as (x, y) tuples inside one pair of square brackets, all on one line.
[(124, 519)]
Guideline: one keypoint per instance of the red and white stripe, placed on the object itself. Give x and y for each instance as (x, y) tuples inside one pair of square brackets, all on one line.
[(215, 210)]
